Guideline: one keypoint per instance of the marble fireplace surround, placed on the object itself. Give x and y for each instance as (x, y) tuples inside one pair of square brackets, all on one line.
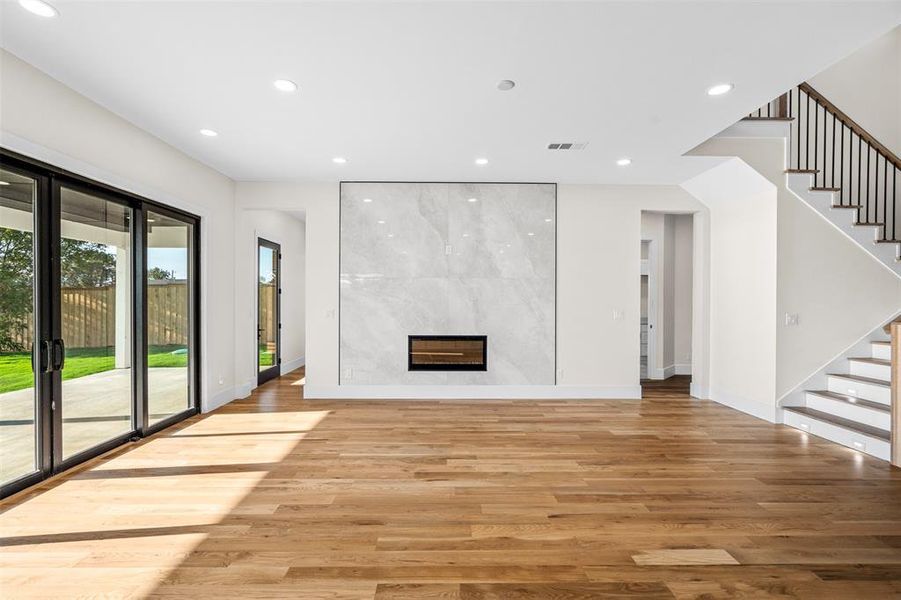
[(447, 259)]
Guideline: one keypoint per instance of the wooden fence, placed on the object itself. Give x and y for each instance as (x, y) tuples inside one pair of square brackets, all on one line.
[(268, 322), (89, 316)]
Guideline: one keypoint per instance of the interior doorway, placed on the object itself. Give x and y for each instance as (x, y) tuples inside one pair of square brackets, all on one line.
[(269, 320), (666, 323)]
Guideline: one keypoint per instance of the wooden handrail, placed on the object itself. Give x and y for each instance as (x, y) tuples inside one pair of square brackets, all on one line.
[(851, 123), (896, 394)]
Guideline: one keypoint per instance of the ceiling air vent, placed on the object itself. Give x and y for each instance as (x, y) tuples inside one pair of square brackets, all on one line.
[(567, 146)]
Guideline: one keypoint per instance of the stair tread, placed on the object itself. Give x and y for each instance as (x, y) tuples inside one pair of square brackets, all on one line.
[(875, 361), (870, 224), (888, 241), (854, 206), (802, 170), (861, 379), (881, 343), (868, 430), (825, 189), (852, 400), (768, 119)]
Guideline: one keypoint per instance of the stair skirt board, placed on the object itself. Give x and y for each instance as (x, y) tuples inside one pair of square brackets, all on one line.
[(856, 440)]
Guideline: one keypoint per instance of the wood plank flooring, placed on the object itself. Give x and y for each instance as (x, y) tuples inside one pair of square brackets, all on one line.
[(280, 497)]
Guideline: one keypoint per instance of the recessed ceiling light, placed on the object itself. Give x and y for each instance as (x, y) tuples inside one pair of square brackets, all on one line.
[(473, 200), (531, 234), (367, 199), (208, 132), (285, 85), (624, 162), (39, 8), (481, 161), (548, 220), (339, 160), (151, 220), (390, 235), (719, 89), (380, 222), (4, 183), (465, 235), (506, 85)]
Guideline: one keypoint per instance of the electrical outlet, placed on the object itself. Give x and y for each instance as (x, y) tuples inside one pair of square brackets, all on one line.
[(221, 379), (348, 373), (330, 313), (791, 319), (618, 314)]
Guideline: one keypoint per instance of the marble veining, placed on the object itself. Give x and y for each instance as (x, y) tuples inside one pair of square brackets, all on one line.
[(446, 258)]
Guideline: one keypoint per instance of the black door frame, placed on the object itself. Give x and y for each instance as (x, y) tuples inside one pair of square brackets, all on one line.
[(48, 316), (276, 368)]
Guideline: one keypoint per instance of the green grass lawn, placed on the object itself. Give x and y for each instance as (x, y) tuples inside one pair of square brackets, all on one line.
[(266, 357), (15, 367)]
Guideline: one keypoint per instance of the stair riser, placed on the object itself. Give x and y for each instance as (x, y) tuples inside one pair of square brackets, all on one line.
[(870, 370), (867, 391), (859, 414), (872, 446), (881, 351)]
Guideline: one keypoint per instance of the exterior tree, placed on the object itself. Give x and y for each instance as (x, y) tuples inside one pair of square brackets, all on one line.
[(159, 274), (16, 285)]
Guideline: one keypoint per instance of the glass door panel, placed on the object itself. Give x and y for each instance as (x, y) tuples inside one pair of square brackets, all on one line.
[(18, 335), (96, 320), (169, 316), (268, 310)]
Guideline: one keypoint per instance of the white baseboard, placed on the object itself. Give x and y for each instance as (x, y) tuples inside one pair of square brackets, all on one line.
[(683, 369), (293, 365), (220, 398), (755, 409), (471, 392), (696, 390), (664, 373)]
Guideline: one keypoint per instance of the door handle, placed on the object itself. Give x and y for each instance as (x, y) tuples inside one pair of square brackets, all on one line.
[(59, 355), (44, 356)]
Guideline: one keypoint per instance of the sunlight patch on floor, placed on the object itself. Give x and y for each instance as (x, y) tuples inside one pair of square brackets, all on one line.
[(167, 495)]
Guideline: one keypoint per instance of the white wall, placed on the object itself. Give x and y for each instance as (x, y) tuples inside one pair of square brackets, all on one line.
[(598, 254), (838, 291), (290, 233), (319, 203), (44, 119), (742, 286), (867, 87), (598, 266), (684, 248)]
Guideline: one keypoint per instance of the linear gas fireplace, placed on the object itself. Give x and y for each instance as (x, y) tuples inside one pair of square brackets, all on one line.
[(447, 353)]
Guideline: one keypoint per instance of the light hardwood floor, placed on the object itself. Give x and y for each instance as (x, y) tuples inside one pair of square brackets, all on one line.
[(279, 497)]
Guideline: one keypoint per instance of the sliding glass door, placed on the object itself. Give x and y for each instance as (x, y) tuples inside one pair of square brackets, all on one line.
[(95, 293), (19, 418), (98, 319), (170, 315)]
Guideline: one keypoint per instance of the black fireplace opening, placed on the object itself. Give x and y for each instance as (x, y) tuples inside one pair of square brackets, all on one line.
[(447, 353)]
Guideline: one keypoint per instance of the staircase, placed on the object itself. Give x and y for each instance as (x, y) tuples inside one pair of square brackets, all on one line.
[(851, 179), (841, 171), (854, 409)]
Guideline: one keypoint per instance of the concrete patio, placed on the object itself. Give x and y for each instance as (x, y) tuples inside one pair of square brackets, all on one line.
[(95, 408)]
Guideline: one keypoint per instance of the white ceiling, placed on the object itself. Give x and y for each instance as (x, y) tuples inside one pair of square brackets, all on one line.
[(406, 90)]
